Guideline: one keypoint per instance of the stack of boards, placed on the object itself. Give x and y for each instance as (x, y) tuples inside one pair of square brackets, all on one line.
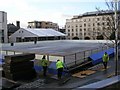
[(19, 66)]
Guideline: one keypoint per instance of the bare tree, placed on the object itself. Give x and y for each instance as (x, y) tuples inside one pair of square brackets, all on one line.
[(113, 21), (110, 19)]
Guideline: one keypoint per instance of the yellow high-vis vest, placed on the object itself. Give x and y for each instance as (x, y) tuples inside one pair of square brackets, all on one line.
[(59, 64), (44, 62), (105, 58)]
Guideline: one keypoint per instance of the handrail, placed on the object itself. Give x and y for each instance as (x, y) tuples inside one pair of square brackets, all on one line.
[(101, 84)]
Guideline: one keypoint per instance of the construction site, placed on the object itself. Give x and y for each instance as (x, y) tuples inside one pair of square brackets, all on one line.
[(83, 68)]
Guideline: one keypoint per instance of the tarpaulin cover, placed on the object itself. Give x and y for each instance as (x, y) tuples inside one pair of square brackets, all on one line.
[(97, 57)]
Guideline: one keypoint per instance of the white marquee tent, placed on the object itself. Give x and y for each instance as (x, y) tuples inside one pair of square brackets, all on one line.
[(33, 32)]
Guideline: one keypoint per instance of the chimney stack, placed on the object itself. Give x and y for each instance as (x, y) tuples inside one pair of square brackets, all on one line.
[(18, 24)]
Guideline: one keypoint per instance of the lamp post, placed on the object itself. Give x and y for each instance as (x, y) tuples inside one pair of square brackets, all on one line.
[(116, 37)]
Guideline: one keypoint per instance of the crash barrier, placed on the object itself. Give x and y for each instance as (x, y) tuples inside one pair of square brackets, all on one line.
[(19, 66), (97, 57), (101, 84)]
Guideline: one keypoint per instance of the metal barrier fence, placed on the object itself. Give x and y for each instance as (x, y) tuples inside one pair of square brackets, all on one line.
[(69, 60), (37, 56), (79, 57)]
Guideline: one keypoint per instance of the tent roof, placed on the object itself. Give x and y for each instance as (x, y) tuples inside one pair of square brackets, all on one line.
[(35, 32), (44, 32)]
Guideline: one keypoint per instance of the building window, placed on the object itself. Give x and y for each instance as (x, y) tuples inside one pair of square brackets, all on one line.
[(68, 34), (108, 18), (68, 30), (98, 29), (72, 30), (103, 18), (72, 34), (84, 25), (88, 29), (88, 33), (98, 19), (98, 24), (103, 23), (98, 33), (84, 29), (103, 28), (108, 23), (76, 30), (69, 26), (89, 19)]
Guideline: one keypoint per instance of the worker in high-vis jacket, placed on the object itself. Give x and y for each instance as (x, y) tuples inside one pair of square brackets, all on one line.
[(60, 66), (44, 63), (105, 59)]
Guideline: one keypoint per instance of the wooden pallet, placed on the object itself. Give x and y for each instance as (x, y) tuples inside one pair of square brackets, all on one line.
[(83, 74)]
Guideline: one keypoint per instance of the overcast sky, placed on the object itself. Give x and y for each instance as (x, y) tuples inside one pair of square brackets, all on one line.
[(47, 10)]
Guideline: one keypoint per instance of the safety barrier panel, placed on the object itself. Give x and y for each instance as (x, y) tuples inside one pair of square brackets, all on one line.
[(97, 57)]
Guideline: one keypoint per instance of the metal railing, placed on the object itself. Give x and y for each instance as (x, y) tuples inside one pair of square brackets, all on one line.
[(69, 60), (79, 57)]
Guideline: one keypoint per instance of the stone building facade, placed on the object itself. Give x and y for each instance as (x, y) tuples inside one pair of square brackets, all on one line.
[(90, 25)]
